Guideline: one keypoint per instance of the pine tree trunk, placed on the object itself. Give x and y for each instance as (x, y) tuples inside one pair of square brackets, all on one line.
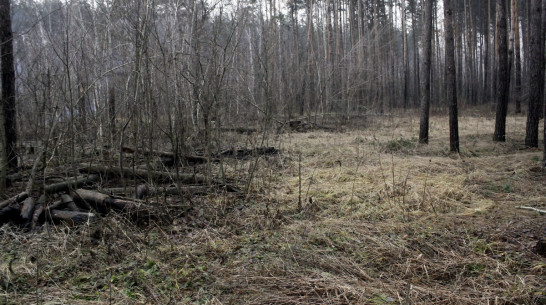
[(416, 63), (451, 81), (425, 82), (536, 73), (517, 56), (405, 50), (503, 74), (486, 59)]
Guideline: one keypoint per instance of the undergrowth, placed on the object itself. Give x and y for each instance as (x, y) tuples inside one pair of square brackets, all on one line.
[(383, 221)]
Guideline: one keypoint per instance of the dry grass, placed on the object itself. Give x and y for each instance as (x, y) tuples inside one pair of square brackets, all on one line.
[(384, 221)]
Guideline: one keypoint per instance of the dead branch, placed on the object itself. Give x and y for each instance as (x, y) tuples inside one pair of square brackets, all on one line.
[(543, 212)]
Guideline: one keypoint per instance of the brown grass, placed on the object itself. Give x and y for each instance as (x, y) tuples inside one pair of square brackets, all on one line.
[(384, 221)]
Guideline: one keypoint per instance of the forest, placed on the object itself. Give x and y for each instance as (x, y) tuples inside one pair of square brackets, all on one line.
[(272, 152)]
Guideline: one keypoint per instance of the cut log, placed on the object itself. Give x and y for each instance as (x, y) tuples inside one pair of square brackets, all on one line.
[(241, 130), (144, 191), (104, 203), (15, 199), (28, 208), (9, 214), (118, 191), (159, 177), (143, 175), (65, 201), (68, 202), (71, 183), (169, 156), (72, 218), (38, 210), (241, 153)]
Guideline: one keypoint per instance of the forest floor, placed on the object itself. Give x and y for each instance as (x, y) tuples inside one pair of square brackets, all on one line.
[(383, 220)]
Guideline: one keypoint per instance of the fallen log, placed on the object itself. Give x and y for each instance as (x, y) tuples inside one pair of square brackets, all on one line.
[(9, 214), (157, 176), (241, 130), (15, 199), (171, 157), (28, 208), (71, 183), (300, 125), (144, 191), (38, 210), (65, 201), (245, 152), (118, 191), (72, 218), (104, 203), (69, 203), (143, 175)]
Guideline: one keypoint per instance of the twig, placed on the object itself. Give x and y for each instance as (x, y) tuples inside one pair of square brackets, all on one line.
[(543, 212)]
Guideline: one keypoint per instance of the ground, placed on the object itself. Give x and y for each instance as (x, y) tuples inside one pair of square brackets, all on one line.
[(383, 220)]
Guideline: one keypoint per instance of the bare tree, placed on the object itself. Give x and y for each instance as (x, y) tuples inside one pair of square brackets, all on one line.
[(8, 87)]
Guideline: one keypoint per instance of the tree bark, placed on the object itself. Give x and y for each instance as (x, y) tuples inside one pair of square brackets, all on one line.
[(451, 80), (425, 77), (405, 55), (517, 56), (71, 183), (156, 176), (71, 218), (112, 113), (8, 85), (104, 203), (15, 199), (536, 74), (503, 74), (486, 57), (28, 208), (543, 85)]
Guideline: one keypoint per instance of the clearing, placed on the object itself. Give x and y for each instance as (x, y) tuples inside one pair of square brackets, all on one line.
[(383, 221)]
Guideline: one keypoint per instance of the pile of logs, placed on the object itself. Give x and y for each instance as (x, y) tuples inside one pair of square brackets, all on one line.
[(67, 202), (79, 200)]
